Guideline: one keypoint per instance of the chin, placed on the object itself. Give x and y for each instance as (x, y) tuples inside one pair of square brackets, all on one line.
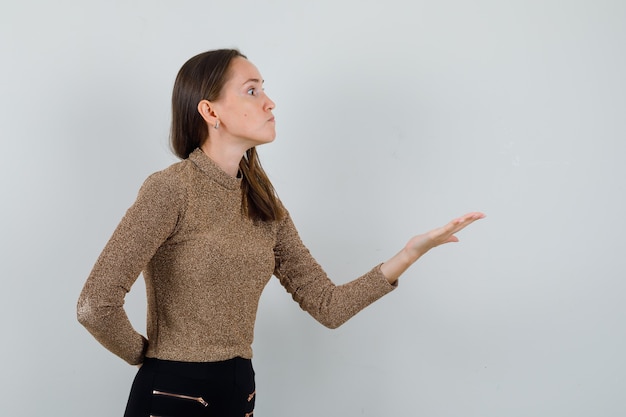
[(267, 140)]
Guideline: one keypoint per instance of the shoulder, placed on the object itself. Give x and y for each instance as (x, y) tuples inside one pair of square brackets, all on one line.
[(287, 233), (172, 176), (168, 184)]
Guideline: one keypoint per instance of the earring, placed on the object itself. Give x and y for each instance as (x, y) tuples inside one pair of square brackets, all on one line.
[(217, 124)]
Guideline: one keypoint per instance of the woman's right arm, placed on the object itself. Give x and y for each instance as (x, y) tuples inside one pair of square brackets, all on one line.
[(420, 244), (145, 226)]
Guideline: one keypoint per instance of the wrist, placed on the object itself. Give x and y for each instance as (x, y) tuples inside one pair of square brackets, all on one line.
[(394, 267), (411, 252)]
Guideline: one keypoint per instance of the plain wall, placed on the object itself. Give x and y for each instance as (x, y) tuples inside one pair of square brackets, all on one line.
[(393, 117)]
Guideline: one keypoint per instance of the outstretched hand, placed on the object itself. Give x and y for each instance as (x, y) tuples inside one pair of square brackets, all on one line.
[(420, 244)]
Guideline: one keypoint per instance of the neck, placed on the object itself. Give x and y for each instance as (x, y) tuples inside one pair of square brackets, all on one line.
[(227, 158)]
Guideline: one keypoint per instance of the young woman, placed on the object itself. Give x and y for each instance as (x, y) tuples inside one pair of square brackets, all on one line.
[(208, 233)]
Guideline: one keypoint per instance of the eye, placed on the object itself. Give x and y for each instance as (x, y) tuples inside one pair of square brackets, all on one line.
[(252, 91)]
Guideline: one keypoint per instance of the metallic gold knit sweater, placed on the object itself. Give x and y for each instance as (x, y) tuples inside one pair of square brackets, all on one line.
[(205, 266)]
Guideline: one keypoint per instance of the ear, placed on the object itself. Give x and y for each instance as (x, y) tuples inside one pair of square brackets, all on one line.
[(207, 111)]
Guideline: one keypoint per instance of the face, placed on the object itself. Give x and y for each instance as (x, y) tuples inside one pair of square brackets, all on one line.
[(243, 109)]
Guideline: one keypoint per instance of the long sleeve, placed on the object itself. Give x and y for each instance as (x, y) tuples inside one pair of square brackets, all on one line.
[(146, 225), (330, 304)]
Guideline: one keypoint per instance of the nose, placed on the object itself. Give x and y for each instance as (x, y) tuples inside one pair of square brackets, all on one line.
[(269, 104)]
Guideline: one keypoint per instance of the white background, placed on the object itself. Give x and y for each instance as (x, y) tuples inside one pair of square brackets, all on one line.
[(393, 117)]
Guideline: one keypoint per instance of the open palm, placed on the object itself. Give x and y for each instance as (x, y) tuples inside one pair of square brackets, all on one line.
[(421, 244)]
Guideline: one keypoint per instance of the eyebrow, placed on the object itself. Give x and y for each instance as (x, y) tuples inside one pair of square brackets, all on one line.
[(254, 80)]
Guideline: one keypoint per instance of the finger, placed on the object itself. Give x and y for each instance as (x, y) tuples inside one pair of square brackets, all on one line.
[(476, 215), (469, 218), (452, 239), (460, 223)]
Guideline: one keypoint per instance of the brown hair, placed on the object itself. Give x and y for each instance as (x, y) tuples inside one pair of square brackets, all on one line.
[(202, 78)]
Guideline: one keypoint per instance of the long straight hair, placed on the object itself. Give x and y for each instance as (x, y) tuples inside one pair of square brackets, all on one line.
[(203, 78)]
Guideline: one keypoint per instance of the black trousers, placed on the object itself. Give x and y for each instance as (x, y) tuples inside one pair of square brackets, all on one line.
[(192, 389)]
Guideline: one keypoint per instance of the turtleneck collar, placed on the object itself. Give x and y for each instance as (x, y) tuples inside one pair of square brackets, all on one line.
[(211, 169)]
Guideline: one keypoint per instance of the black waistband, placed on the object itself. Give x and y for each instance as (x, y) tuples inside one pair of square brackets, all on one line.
[(197, 369)]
